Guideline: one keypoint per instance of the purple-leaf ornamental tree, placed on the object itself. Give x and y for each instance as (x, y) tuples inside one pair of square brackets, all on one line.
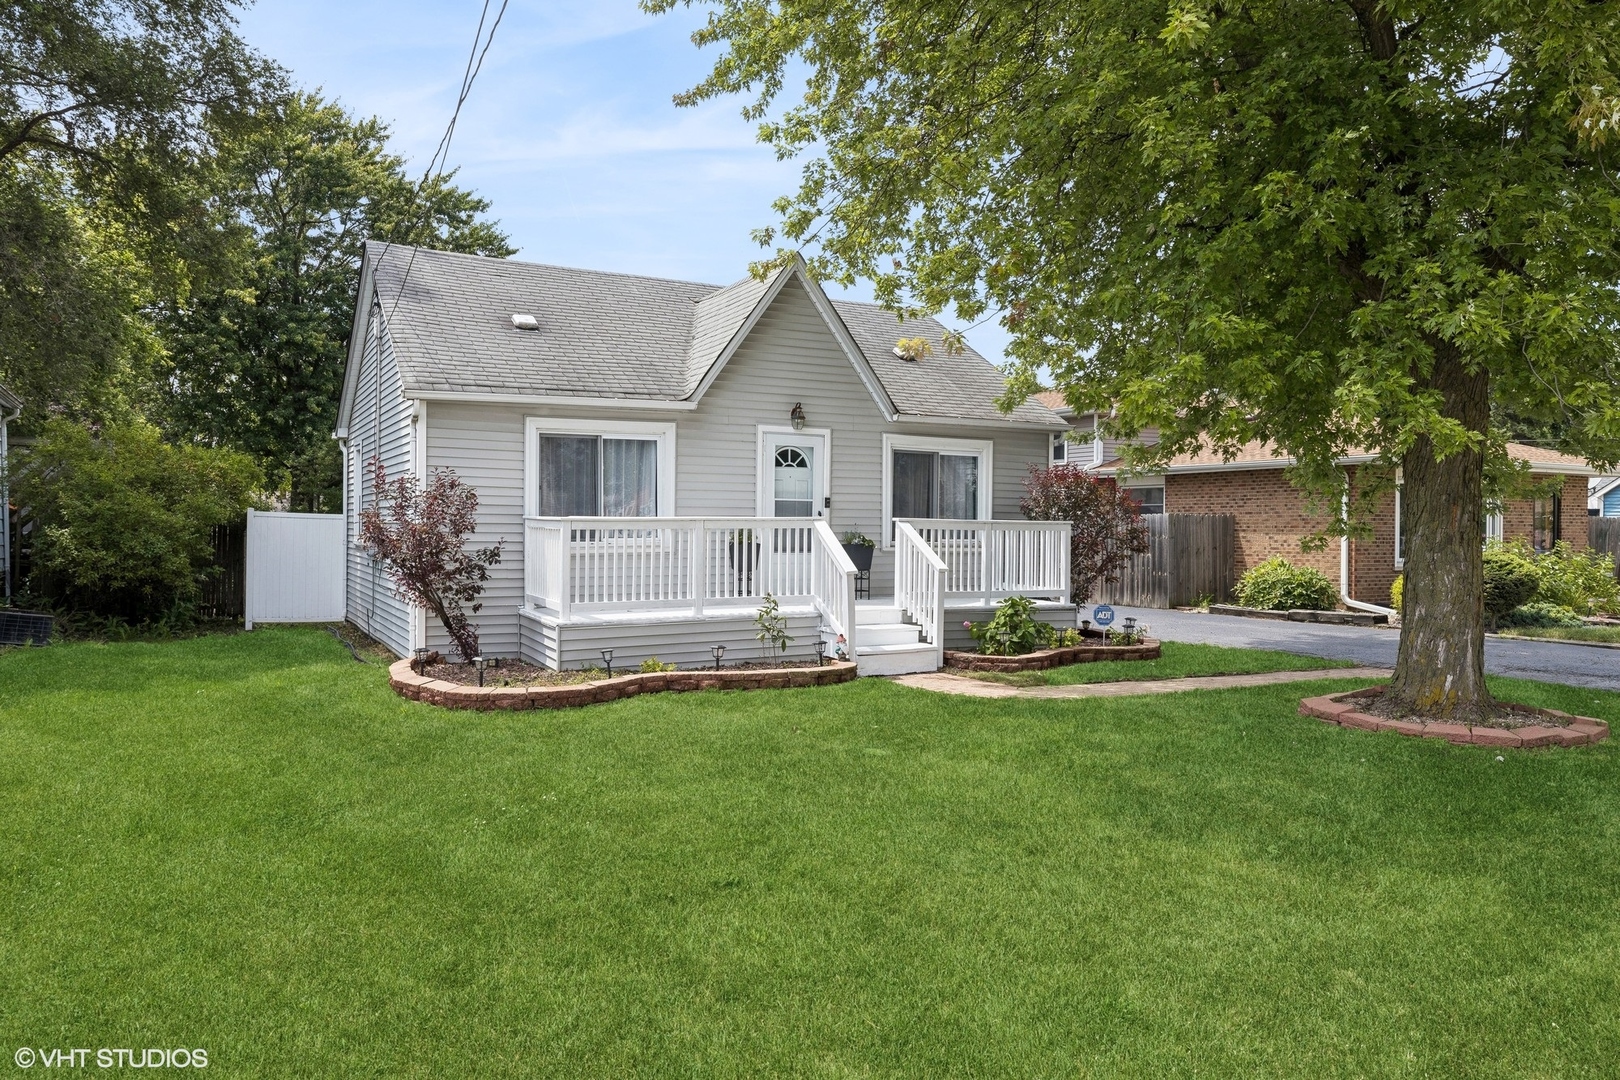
[(1106, 522), (420, 537)]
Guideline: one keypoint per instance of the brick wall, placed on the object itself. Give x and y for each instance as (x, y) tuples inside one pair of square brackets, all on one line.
[(1272, 520), (1518, 516), (1270, 513), (1372, 559)]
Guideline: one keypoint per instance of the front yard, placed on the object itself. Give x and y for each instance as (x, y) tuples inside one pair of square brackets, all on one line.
[(249, 844)]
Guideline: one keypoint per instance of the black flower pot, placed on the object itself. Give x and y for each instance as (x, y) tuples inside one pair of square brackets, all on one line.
[(860, 555)]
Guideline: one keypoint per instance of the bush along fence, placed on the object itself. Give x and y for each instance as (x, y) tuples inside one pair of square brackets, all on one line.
[(1189, 557)]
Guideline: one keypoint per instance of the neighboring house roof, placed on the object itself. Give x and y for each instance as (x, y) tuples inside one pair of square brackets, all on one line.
[(1600, 488), (1264, 455), (637, 340), (8, 401)]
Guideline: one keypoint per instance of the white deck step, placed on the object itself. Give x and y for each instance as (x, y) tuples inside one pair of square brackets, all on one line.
[(896, 659), (867, 612), (886, 633)]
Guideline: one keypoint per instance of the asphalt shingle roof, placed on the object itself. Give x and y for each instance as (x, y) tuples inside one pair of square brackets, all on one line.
[(1260, 454), (606, 335)]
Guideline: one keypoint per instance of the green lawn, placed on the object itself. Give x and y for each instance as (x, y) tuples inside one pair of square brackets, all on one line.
[(1176, 661), (248, 844), (1566, 633)]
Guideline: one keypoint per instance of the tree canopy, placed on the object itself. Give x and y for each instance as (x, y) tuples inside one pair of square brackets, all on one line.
[(256, 362), (1328, 224)]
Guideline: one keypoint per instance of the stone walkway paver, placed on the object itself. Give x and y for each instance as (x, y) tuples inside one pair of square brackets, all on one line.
[(942, 683)]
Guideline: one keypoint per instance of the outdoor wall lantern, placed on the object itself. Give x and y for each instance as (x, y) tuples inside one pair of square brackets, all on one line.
[(607, 661), (797, 416), (719, 651)]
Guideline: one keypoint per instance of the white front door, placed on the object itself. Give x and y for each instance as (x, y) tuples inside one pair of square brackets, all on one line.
[(793, 474)]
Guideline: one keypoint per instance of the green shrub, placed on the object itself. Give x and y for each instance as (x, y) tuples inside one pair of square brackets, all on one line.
[(1510, 577), (1396, 589), (652, 666), (1541, 614), (1582, 581), (1013, 631), (1279, 585), (125, 518)]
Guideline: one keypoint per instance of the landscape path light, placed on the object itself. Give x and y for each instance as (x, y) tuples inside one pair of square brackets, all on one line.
[(718, 651)]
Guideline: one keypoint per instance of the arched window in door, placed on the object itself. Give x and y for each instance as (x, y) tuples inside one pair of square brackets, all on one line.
[(791, 485)]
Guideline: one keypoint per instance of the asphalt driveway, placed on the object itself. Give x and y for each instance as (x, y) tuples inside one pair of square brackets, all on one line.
[(1573, 665)]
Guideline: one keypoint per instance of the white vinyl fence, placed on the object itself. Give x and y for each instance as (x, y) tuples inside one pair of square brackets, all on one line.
[(295, 568)]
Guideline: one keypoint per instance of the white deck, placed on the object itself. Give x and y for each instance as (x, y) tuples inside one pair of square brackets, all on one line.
[(676, 588)]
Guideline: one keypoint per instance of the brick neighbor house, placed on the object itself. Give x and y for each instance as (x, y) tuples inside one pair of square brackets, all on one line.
[(1273, 518)]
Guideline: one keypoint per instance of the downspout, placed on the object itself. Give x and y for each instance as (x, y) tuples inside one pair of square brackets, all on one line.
[(1344, 566)]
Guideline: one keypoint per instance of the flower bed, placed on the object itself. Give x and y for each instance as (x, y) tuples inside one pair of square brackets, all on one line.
[(1558, 728), (1147, 649), (407, 683)]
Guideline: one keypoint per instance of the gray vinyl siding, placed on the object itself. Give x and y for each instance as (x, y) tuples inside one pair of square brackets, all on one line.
[(789, 357), (1085, 425), (380, 424)]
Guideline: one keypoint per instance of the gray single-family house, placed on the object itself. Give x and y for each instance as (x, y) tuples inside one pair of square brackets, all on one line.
[(659, 455)]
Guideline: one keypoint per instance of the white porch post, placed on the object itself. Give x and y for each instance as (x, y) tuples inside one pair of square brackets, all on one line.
[(699, 540)]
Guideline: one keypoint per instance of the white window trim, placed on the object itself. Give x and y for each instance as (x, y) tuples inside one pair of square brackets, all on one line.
[(1493, 527), (535, 426), (764, 496), (1146, 481), (984, 448)]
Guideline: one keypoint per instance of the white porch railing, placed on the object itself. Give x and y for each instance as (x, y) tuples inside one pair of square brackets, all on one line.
[(919, 586), (989, 561), (578, 565)]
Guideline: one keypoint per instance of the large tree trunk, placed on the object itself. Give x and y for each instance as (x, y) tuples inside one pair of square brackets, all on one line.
[(1441, 665)]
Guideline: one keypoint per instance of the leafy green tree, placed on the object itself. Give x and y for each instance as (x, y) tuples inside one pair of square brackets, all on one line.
[(1324, 223), (125, 518), (109, 114), (73, 336), (257, 362)]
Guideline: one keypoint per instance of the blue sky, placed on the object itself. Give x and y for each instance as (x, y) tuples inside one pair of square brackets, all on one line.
[(570, 131)]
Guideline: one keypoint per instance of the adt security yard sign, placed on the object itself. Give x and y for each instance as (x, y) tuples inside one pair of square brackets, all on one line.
[(1102, 615)]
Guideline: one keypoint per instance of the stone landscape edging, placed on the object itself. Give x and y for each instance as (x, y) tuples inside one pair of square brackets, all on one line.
[(1340, 709), (1051, 658), (1333, 618), (449, 695)]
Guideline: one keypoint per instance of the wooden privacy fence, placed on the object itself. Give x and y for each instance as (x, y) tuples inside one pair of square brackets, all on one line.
[(1606, 537), (1189, 556)]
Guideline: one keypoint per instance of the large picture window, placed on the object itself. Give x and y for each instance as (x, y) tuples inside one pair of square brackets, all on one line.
[(576, 472), (936, 478)]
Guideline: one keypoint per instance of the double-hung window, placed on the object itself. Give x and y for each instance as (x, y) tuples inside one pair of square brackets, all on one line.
[(1149, 498), (936, 478), (614, 471)]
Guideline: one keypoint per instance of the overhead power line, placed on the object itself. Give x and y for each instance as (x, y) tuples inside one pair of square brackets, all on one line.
[(441, 156)]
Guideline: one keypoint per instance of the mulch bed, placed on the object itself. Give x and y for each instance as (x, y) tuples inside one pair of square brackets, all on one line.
[(1147, 649), (590, 688), (1508, 725)]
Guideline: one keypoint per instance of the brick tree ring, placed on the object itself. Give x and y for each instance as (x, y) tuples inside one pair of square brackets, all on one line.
[(449, 695), (1565, 729)]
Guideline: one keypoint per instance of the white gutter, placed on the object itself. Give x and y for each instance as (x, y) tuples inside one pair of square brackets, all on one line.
[(1344, 568)]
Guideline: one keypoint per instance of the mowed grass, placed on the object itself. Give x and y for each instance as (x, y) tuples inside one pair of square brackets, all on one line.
[(1177, 660), (249, 844), (1609, 634)]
